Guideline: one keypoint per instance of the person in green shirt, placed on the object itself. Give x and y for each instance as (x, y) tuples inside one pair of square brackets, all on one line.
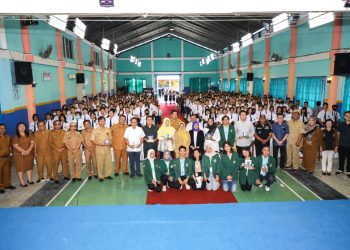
[(229, 168), (152, 172), (247, 170), (167, 175), (196, 181), (227, 133), (182, 169), (211, 167), (266, 167)]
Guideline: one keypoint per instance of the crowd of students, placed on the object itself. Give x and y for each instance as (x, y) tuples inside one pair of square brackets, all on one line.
[(222, 140)]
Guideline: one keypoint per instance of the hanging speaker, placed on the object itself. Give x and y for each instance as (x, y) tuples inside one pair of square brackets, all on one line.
[(250, 76), (342, 64), (80, 78), (23, 72)]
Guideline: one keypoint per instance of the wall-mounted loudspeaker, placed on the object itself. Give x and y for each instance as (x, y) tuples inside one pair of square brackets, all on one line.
[(342, 64), (80, 78), (250, 76), (23, 72)]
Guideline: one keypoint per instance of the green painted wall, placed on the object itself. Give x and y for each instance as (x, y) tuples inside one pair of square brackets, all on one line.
[(45, 91), (259, 51), (280, 44), (166, 46), (13, 34)]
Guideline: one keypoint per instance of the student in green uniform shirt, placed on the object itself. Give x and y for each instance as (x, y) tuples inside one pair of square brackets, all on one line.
[(182, 169), (266, 167), (229, 168), (152, 172), (166, 170), (196, 181), (211, 167), (247, 170), (227, 133)]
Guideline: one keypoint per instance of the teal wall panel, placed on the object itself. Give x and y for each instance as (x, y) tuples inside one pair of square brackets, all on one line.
[(98, 82), (191, 50), (193, 65), (163, 46), (315, 68), (280, 44), (244, 56), (234, 59), (86, 52), (259, 51), (279, 71), (147, 77), (143, 51), (226, 66), (215, 78), (258, 72), (127, 66), (45, 91), (13, 34), (167, 65), (345, 41), (88, 82), (70, 85)]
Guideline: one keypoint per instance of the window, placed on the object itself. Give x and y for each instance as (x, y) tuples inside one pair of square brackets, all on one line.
[(67, 48), (110, 64), (97, 58)]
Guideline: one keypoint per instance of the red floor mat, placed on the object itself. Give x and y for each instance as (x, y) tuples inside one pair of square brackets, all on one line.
[(173, 196)]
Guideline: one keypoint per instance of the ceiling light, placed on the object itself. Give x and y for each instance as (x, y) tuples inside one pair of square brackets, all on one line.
[(105, 44), (280, 22), (58, 21), (79, 28), (247, 40), (171, 28), (235, 47), (319, 18), (115, 49)]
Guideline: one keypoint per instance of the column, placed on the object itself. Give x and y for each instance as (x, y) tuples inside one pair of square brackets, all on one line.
[(266, 65), (229, 70), (250, 68), (60, 69), (291, 61), (238, 82), (102, 73), (93, 73), (221, 72)]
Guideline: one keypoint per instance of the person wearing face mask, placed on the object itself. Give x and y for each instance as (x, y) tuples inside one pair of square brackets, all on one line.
[(79, 121), (152, 172)]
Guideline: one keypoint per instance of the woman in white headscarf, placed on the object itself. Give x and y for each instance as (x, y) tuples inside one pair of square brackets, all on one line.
[(165, 135), (211, 167), (152, 172)]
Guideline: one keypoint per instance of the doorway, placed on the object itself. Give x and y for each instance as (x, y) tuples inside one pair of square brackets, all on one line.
[(166, 84)]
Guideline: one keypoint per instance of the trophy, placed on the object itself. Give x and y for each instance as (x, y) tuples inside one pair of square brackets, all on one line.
[(150, 138), (106, 142)]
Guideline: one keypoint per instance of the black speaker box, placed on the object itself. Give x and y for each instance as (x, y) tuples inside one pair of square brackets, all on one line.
[(23, 72), (342, 64), (80, 78), (250, 76)]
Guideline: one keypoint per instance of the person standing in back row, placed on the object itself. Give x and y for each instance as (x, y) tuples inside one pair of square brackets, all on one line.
[(344, 144), (5, 160), (89, 151), (119, 146), (296, 130)]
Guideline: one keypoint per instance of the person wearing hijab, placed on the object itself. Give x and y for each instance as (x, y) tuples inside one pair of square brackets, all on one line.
[(197, 138), (229, 168), (196, 181), (211, 167), (167, 172), (247, 170), (212, 134), (152, 172), (165, 136), (182, 137), (311, 143)]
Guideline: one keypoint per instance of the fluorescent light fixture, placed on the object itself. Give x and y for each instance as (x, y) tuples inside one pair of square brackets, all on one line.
[(79, 28), (319, 18), (247, 40), (280, 22), (105, 44), (235, 47), (115, 49), (58, 21)]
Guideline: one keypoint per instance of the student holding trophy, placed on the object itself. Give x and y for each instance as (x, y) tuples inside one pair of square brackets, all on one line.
[(247, 170)]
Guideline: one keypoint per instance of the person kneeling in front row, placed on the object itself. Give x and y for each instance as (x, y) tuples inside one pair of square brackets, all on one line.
[(211, 165), (182, 169), (197, 181), (247, 170), (167, 173), (266, 167), (152, 172), (229, 168)]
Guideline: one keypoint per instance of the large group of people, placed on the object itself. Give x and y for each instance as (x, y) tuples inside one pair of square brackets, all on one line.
[(220, 140)]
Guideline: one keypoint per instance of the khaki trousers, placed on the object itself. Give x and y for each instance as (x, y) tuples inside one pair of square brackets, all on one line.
[(120, 157), (104, 165), (44, 161), (5, 172), (90, 158), (292, 155), (57, 158), (75, 169)]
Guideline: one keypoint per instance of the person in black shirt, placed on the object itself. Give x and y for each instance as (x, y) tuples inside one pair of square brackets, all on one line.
[(329, 145), (344, 144), (263, 134)]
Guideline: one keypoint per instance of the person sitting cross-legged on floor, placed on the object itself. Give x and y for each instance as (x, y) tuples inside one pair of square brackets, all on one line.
[(152, 172), (167, 174), (211, 166), (229, 168), (266, 167), (182, 169), (247, 170), (196, 181)]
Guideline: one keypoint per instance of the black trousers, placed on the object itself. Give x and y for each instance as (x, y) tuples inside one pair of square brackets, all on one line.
[(268, 177), (259, 146), (153, 187), (192, 183), (165, 180), (246, 187), (344, 154), (283, 154), (177, 184)]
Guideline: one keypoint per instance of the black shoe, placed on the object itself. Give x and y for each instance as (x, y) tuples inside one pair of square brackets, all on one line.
[(348, 175), (132, 175), (126, 173), (116, 174), (56, 181), (324, 173), (139, 175), (74, 180), (329, 173), (90, 177), (100, 180), (10, 187), (109, 178), (25, 185), (39, 180), (66, 178), (2, 191), (79, 179), (31, 182), (96, 176), (339, 172)]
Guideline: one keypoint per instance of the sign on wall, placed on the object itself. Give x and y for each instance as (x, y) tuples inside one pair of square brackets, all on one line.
[(46, 76)]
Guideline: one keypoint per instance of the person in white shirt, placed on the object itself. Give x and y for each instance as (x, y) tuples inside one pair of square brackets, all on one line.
[(85, 114), (335, 115), (48, 121), (111, 119), (309, 111), (244, 132), (324, 115), (271, 116), (34, 124), (212, 135), (134, 136), (64, 123)]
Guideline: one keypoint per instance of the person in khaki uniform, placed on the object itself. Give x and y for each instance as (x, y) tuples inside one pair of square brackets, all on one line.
[(174, 121), (296, 130), (43, 152), (119, 146), (102, 138), (73, 139), (59, 151), (89, 151), (5, 160)]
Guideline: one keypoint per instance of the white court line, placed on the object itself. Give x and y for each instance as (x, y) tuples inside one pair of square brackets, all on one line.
[(48, 204), (76, 192), (301, 198), (303, 185)]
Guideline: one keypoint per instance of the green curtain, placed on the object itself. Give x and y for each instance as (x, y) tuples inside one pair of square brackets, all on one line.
[(258, 87), (243, 86), (278, 87), (346, 98), (226, 86), (134, 85), (233, 85), (310, 89), (200, 84)]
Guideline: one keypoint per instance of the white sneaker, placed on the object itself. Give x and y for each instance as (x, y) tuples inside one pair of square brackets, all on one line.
[(261, 185), (149, 190), (188, 187), (267, 189), (164, 188)]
